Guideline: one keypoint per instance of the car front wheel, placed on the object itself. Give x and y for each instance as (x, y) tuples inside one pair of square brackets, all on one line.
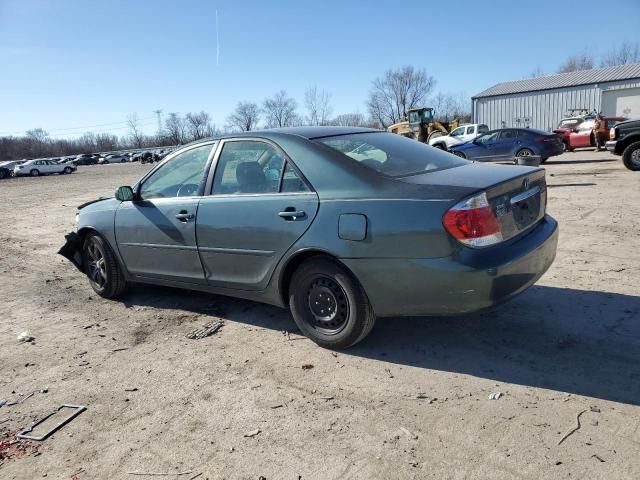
[(67, 170), (102, 269), (631, 156), (329, 305), (459, 154), (35, 172)]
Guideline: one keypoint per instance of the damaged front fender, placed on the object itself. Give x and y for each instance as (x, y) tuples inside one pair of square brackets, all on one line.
[(72, 250)]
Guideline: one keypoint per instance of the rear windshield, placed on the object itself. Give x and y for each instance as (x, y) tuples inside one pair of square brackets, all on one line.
[(569, 123), (392, 155)]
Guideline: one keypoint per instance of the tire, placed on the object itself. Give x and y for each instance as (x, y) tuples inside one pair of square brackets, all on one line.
[(544, 160), (459, 154), (440, 146), (631, 157), (67, 170), (524, 152), (35, 172), (349, 315), (3, 173), (101, 267)]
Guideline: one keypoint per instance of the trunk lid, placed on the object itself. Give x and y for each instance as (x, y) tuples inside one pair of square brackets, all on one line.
[(517, 195)]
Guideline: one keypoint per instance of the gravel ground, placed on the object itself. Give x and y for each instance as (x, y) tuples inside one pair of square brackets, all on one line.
[(411, 401)]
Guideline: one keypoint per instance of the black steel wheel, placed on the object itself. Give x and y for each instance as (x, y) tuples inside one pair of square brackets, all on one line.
[(101, 267), (329, 305), (631, 156)]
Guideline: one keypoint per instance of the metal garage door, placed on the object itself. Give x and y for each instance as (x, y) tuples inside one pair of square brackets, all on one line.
[(621, 103)]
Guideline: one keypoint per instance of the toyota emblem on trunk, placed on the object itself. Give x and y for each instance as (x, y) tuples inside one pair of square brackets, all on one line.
[(525, 184)]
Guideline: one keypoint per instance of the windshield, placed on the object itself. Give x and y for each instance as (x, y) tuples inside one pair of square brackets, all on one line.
[(392, 155), (588, 125)]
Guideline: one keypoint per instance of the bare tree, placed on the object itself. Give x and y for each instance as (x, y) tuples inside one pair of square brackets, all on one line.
[(37, 138), (580, 61), (199, 125), (106, 142), (627, 53), (397, 92), (175, 129), (245, 117), (536, 72), (136, 135), (280, 111), (317, 102), (349, 120)]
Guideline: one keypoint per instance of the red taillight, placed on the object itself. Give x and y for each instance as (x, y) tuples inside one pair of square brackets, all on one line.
[(545, 138), (473, 222)]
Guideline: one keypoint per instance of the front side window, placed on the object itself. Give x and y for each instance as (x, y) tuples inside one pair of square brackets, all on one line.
[(182, 176), (457, 132), (487, 138), (390, 154), (248, 167), (586, 125)]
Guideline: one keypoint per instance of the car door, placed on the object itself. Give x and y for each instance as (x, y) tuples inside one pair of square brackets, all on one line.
[(469, 134), (156, 232), (582, 137), (506, 145), (53, 167), (259, 206), (482, 148)]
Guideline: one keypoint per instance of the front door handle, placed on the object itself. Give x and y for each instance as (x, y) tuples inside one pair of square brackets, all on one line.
[(183, 216), (292, 214)]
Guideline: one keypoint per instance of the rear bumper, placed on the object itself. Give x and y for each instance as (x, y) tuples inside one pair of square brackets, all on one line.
[(470, 281)]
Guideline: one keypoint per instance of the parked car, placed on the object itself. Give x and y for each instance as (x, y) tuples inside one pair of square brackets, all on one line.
[(85, 159), (625, 141), (583, 136), (147, 157), (458, 136), (289, 218), (112, 158), (566, 126), (508, 143), (6, 168), (42, 167)]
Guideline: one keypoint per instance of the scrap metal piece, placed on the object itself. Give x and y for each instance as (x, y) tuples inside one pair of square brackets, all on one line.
[(209, 329), (23, 434)]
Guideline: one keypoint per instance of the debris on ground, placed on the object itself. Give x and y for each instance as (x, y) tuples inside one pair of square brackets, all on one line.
[(77, 410), (12, 448), (573, 430), (597, 457), (389, 372), (595, 409), (253, 433), (412, 436), (161, 474), (26, 337), (495, 396), (307, 366), (207, 330)]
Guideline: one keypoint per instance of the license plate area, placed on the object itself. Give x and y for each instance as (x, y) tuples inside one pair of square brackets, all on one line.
[(526, 207)]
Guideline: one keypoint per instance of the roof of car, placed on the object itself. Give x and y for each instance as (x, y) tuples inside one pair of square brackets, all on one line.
[(317, 132)]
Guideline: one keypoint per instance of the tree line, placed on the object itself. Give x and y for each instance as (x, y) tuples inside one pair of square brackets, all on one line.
[(625, 53)]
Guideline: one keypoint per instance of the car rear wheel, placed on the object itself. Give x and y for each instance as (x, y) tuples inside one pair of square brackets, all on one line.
[(524, 152), (102, 269), (460, 154), (67, 170), (329, 305), (3, 173), (35, 172), (631, 156)]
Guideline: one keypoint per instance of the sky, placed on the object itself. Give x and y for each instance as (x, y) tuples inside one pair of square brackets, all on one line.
[(71, 66)]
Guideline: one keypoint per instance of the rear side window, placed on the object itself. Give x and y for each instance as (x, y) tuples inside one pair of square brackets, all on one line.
[(483, 129), (471, 130), (392, 155)]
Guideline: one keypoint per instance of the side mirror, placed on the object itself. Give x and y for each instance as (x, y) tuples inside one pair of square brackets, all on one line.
[(124, 194)]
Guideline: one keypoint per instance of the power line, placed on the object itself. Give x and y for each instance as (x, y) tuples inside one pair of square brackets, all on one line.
[(101, 131), (76, 128)]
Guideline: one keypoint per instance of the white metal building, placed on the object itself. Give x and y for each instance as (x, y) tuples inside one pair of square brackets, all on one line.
[(541, 102)]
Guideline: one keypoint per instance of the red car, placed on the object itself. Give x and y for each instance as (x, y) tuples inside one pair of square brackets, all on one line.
[(583, 136), (566, 127)]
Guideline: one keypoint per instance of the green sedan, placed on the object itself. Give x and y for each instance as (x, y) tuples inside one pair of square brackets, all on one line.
[(340, 225)]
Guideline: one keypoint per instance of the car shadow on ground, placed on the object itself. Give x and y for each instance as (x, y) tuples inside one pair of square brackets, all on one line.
[(551, 161), (575, 341)]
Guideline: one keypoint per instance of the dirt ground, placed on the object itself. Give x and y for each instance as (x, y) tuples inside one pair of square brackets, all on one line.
[(411, 401)]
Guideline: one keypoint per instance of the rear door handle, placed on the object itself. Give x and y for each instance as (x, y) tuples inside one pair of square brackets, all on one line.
[(292, 215), (183, 216)]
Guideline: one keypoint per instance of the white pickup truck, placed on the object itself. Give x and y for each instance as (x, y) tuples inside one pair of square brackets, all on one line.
[(459, 135)]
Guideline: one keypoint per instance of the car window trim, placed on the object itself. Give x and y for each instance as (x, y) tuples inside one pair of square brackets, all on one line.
[(208, 190), (174, 154)]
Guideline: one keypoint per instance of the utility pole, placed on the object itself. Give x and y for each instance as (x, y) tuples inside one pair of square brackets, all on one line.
[(159, 115)]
